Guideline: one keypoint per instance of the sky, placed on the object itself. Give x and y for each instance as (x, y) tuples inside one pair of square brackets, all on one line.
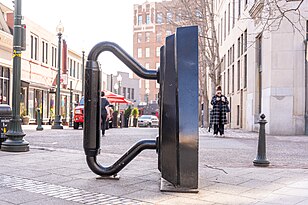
[(87, 23)]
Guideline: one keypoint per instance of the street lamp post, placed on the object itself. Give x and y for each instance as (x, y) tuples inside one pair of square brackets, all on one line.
[(147, 92), (82, 73), (71, 105), (15, 134), (57, 123), (119, 78), (116, 87)]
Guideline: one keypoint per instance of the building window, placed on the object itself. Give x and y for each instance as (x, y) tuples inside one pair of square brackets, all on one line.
[(229, 18), (238, 116), (4, 85), (221, 30), (43, 51), (146, 84), (147, 66), (242, 44), (225, 25), (78, 71), (139, 37), (133, 93), (128, 93), (157, 66), (239, 8), (233, 14), (147, 52), (169, 17), (232, 54), (245, 71), (238, 47), (233, 75), (224, 91), (259, 52), (228, 81), (159, 18), (54, 57), (158, 37), (218, 33), (74, 69), (148, 20), (139, 20), (224, 62), (147, 37), (139, 53), (178, 17), (157, 51), (124, 92), (71, 67), (238, 75), (34, 47), (245, 40)]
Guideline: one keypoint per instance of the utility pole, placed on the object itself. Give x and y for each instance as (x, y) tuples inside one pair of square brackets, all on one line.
[(15, 134)]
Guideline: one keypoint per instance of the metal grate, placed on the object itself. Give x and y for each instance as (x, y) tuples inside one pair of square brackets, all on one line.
[(62, 192)]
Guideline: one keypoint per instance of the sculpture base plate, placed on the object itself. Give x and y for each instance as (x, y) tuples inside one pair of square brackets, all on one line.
[(113, 177), (166, 186)]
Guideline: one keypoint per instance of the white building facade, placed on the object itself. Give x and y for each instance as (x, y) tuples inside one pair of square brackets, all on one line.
[(39, 67), (264, 69)]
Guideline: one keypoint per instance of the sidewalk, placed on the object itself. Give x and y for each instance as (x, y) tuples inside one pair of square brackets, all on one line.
[(59, 176)]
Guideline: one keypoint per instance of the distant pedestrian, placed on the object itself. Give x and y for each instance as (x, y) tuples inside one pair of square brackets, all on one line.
[(105, 113), (220, 108)]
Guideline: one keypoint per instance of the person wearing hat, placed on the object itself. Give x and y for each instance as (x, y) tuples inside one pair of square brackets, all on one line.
[(220, 108)]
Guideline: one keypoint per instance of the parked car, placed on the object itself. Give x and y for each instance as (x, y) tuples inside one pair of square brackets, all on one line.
[(78, 114), (148, 121)]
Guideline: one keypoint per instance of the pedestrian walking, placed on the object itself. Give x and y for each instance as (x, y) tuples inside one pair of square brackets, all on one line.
[(105, 113), (220, 108)]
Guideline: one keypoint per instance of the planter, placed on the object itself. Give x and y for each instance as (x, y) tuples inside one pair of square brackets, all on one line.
[(25, 120)]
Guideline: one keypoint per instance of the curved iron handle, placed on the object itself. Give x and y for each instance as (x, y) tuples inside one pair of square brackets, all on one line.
[(124, 57), (123, 161), (91, 141)]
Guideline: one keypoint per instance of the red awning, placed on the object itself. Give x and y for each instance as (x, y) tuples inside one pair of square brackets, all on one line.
[(115, 98), (119, 100)]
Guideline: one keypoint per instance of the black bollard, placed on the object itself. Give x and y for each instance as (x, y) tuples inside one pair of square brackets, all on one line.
[(261, 160), (38, 120)]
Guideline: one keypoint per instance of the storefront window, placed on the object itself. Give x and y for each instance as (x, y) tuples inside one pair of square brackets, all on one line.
[(23, 102), (38, 102), (4, 85), (31, 103), (45, 105), (64, 107), (51, 106)]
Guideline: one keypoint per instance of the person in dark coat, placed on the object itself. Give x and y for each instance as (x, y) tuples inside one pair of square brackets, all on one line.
[(220, 108), (105, 113)]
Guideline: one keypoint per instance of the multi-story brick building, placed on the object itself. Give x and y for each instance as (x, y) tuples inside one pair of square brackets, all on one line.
[(264, 71), (151, 27)]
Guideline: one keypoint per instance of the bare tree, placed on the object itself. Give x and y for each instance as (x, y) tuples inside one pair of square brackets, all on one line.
[(269, 14), (200, 13)]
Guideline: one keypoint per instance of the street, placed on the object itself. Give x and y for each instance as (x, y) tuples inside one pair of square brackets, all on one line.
[(238, 149)]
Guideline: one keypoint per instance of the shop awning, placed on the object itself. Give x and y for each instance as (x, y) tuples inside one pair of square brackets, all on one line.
[(115, 98)]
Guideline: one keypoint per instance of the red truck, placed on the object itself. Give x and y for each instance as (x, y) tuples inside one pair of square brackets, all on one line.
[(78, 114)]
